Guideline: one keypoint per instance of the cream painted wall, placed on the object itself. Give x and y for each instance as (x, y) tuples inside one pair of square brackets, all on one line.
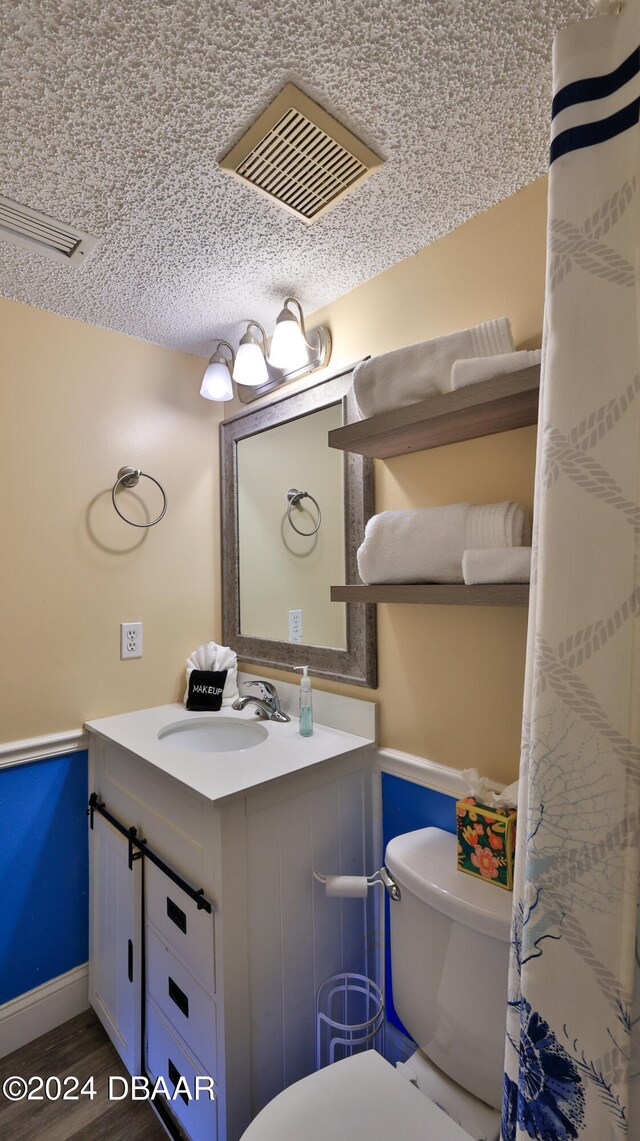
[(281, 570), (451, 678), (77, 403)]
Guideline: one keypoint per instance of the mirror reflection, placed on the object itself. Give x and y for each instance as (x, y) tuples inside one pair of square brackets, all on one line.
[(286, 566), (279, 478)]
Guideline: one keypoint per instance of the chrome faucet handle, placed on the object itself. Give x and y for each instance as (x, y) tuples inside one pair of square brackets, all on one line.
[(268, 692)]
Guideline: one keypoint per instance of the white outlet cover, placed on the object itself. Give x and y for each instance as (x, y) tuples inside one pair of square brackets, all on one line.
[(295, 625), (130, 640)]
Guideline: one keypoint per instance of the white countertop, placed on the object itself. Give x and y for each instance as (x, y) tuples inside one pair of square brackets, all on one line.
[(219, 776)]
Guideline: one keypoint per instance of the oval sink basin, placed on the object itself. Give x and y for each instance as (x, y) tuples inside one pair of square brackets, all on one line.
[(213, 734)]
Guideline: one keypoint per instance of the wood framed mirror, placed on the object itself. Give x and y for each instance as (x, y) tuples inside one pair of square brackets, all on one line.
[(276, 582)]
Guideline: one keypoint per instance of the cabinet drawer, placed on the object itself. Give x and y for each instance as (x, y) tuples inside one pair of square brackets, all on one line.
[(185, 929), (166, 1059), (186, 1006)]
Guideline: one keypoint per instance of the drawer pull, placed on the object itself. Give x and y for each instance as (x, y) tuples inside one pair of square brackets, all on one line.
[(174, 1077), (179, 997), (177, 915)]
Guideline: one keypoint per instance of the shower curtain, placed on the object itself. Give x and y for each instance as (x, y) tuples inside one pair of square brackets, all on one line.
[(573, 1023)]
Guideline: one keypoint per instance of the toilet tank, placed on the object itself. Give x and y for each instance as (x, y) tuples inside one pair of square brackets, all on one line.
[(449, 960)]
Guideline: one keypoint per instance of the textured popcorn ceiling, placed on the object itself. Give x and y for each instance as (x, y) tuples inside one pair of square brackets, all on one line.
[(114, 115)]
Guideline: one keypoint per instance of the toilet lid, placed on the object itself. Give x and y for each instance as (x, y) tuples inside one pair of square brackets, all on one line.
[(362, 1098)]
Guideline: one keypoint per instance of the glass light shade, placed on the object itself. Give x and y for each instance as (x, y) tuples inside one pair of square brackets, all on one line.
[(216, 382), (250, 367), (288, 347)]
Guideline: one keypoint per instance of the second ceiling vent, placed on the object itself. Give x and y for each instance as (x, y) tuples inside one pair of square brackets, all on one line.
[(23, 226), (300, 155)]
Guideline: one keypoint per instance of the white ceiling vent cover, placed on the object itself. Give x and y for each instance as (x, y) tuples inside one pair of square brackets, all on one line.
[(26, 227), (300, 155)]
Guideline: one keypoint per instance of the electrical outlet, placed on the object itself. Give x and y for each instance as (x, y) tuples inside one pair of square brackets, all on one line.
[(131, 639), (295, 625)]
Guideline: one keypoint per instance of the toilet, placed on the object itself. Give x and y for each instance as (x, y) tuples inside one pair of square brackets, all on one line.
[(449, 952)]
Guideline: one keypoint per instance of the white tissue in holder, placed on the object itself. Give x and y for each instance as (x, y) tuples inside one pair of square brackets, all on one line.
[(211, 656), (353, 887)]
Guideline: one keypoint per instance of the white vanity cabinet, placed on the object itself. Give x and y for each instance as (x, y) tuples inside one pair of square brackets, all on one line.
[(226, 997)]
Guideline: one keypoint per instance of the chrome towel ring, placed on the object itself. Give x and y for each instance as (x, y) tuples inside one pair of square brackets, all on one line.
[(128, 477), (293, 500)]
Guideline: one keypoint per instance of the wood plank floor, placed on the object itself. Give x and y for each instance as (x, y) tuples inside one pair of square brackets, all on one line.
[(80, 1048)]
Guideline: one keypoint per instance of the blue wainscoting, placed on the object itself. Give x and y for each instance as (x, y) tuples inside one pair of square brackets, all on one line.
[(405, 807), (44, 879)]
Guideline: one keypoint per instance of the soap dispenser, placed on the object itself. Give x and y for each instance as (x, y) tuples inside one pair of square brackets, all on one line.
[(306, 707)]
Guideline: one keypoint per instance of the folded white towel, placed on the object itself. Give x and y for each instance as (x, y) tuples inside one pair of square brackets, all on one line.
[(211, 656), (475, 369), (503, 524), (501, 564), (426, 544), (421, 545), (407, 375)]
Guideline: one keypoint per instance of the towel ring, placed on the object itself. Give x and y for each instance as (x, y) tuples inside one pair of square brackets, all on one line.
[(293, 499), (128, 477)]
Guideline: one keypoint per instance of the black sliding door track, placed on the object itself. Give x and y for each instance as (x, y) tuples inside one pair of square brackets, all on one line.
[(143, 849)]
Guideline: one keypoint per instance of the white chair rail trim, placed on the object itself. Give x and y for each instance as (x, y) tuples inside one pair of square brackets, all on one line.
[(39, 748), (440, 778)]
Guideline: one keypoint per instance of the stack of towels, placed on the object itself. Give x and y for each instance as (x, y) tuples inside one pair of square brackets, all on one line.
[(211, 656), (461, 542), (407, 375)]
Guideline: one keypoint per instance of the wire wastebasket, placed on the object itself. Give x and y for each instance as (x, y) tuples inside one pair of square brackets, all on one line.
[(349, 1017)]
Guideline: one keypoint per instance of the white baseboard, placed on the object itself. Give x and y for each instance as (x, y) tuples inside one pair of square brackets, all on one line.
[(26, 1017)]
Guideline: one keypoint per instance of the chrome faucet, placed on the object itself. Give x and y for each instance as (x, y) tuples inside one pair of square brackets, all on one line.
[(267, 704)]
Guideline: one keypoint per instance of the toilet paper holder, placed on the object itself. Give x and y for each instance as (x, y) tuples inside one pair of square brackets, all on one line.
[(357, 887)]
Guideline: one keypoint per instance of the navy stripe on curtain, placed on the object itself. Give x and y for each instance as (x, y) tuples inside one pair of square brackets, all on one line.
[(589, 134), (596, 87)]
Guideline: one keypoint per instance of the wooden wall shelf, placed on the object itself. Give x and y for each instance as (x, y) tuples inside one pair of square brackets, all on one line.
[(436, 594), (483, 409)]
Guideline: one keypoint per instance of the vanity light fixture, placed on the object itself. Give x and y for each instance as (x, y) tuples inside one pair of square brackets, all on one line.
[(293, 354), (250, 368), (216, 382), (289, 346)]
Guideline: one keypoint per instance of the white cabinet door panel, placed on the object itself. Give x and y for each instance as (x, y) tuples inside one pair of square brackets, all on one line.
[(115, 960)]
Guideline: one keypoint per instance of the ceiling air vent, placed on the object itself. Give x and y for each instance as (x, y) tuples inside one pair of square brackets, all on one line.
[(300, 155), (26, 227)]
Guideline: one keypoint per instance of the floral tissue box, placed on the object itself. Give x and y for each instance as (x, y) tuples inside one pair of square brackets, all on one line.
[(486, 841)]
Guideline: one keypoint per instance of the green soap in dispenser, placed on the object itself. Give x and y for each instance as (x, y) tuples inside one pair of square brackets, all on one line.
[(306, 706)]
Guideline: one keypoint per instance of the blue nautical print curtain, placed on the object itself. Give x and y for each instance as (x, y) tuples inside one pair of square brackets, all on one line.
[(573, 1024)]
